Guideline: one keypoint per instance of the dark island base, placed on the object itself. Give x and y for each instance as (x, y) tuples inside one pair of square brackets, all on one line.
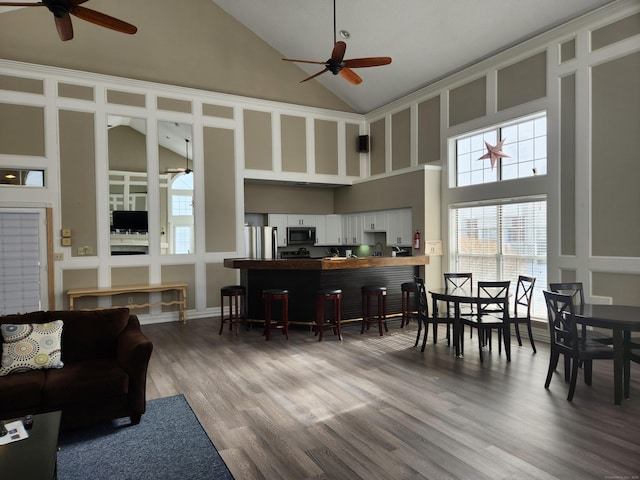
[(302, 285)]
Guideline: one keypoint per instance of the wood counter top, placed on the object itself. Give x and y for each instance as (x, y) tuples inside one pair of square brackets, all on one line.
[(328, 263)]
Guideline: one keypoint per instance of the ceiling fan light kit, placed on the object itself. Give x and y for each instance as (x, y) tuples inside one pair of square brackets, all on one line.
[(337, 64), (62, 9)]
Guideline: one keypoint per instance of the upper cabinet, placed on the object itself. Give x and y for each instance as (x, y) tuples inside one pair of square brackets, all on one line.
[(301, 220), (352, 230), (329, 230), (280, 222), (399, 227), (375, 221)]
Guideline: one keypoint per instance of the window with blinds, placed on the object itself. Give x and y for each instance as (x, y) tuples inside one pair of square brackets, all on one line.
[(20, 260), (502, 241)]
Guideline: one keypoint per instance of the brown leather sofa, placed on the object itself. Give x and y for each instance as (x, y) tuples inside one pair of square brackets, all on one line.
[(105, 356)]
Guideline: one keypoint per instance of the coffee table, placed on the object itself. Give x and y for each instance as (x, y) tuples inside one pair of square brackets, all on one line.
[(33, 458)]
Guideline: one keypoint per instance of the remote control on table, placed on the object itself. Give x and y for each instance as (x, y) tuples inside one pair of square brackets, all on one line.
[(27, 422)]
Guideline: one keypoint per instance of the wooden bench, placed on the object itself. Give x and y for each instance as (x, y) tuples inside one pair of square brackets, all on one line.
[(180, 288)]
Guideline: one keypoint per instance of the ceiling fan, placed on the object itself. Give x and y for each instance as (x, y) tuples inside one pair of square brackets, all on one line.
[(337, 65), (62, 9), (186, 170)]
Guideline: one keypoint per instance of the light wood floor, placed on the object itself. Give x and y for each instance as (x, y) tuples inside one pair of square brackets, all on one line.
[(375, 407)]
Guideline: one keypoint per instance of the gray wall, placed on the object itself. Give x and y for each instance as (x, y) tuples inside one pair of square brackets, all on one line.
[(264, 198)]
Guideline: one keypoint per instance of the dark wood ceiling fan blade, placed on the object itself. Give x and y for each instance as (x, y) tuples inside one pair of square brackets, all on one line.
[(53, 4), (338, 51), (103, 20), (315, 75), (303, 61), (21, 4), (367, 62), (350, 76), (64, 26)]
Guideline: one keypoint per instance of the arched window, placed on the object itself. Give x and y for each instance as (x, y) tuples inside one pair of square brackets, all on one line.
[(181, 232)]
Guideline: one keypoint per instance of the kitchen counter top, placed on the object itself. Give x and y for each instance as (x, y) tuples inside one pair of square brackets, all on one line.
[(327, 263)]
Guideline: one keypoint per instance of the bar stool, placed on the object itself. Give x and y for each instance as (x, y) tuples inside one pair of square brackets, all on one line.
[(237, 295), (333, 295), (407, 289), (269, 296), (368, 315)]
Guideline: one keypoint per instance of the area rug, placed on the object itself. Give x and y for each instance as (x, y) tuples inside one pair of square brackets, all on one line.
[(169, 443)]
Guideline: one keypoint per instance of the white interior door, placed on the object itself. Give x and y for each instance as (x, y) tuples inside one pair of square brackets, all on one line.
[(23, 260)]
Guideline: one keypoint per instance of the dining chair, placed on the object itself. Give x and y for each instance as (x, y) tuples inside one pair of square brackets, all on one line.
[(423, 309), (424, 318), (564, 340), (522, 308), (458, 280), (576, 291), (489, 315), (453, 281), (632, 354)]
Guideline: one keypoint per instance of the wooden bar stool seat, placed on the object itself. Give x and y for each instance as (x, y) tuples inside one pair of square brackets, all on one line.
[(269, 296), (333, 295), (409, 308), (368, 315), (237, 295)]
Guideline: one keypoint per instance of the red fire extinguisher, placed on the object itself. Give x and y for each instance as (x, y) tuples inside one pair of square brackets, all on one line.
[(416, 240)]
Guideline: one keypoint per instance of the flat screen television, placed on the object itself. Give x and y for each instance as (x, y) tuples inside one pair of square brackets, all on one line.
[(130, 220)]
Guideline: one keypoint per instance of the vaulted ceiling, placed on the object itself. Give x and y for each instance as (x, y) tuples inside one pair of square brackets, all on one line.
[(427, 39)]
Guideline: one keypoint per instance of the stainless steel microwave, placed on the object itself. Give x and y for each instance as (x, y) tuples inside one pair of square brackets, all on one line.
[(301, 235)]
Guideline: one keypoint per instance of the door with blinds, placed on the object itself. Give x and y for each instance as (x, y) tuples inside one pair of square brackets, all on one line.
[(23, 260)]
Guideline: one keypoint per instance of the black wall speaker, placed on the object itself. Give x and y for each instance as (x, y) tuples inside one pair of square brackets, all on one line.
[(363, 143)]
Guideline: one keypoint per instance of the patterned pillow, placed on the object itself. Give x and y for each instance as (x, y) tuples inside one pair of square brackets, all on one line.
[(31, 346)]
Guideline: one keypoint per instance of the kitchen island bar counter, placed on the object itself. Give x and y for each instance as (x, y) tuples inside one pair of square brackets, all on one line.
[(327, 263), (304, 276)]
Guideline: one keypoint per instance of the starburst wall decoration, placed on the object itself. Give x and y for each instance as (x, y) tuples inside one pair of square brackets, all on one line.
[(494, 152)]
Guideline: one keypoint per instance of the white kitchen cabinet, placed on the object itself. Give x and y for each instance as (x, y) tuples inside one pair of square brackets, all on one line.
[(346, 230), (321, 230), (279, 221), (399, 227), (301, 220), (352, 228), (375, 221), (329, 230)]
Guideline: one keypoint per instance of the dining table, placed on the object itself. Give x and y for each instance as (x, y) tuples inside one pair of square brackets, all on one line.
[(621, 320), (465, 295)]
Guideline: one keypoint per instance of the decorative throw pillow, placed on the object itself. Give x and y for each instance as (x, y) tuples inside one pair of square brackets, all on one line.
[(31, 346)]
